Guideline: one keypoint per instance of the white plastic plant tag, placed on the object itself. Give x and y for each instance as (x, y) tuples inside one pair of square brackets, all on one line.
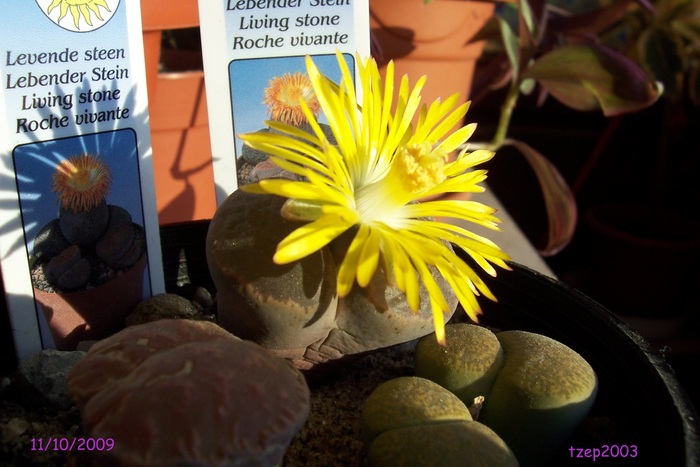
[(253, 49), (79, 235)]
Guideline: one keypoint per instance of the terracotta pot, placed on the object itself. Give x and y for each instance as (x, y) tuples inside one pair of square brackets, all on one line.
[(182, 160), (431, 40), (93, 313)]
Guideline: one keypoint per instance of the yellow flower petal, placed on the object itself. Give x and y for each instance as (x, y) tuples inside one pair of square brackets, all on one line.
[(349, 266), (308, 239), (369, 259)]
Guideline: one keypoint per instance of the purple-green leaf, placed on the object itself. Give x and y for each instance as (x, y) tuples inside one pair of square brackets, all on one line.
[(589, 23), (591, 77), (560, 203)]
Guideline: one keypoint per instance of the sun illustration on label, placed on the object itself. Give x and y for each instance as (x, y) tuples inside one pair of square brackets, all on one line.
[(87, 15)]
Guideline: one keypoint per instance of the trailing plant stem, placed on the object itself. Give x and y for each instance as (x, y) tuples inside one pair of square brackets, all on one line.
[(506, 115)]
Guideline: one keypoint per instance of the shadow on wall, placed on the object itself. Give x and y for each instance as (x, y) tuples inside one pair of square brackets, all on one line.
[(182, 159)]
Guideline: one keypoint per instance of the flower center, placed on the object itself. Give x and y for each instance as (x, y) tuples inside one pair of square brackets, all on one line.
[(81, 178), (418, 168)]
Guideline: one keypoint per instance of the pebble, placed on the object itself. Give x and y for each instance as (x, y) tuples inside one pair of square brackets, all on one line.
[(46, 372), (164, 306), (13, 429)]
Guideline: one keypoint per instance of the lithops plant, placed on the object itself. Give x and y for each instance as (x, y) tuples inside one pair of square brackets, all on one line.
[(537, 390), (190, 395), (81, 184), (354, 261), (88, 232), (294, 309), (413, 421), (542, 393), (115, 357), (467, 365)]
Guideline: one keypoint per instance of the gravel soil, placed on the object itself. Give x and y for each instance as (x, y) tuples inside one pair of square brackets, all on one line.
[(331, 435)]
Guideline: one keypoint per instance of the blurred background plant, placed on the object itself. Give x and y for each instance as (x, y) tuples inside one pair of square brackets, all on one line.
[(664, 37), (557, 48), (630, 167)]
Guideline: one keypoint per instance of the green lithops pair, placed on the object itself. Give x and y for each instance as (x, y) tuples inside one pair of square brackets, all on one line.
[(467, 365), (537, 390), (414, 421)]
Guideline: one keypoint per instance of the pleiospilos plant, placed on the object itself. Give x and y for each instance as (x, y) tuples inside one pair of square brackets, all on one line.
[(355, 214)]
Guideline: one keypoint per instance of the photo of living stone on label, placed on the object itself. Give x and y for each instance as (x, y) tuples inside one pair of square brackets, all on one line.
[(272, 89), (83, 225)]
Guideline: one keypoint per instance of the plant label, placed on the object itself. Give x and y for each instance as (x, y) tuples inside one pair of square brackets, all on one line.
[(79, 242)]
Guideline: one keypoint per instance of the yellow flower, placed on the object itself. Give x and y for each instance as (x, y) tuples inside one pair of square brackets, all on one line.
[(282, 97), (81, 182), (370, 180)]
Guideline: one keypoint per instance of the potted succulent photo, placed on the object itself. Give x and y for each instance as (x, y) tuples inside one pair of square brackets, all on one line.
[(339, 270), (339, 259), (88, 263)]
